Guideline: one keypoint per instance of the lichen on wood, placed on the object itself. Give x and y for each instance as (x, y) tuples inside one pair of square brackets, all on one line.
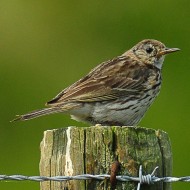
[(92, 150)]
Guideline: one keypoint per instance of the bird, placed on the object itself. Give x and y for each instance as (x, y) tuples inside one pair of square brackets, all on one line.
[(116, 92)]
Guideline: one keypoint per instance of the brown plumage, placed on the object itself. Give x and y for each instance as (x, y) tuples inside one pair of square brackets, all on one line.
[(116, 92)]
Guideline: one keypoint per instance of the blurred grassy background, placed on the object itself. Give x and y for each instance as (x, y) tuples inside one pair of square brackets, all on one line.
[(47, 45)]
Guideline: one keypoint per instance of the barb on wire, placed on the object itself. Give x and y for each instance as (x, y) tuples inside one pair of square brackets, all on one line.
[(148, 179), (141, 179)]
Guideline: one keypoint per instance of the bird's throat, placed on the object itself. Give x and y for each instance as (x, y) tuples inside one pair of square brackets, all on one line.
[(159, 62)]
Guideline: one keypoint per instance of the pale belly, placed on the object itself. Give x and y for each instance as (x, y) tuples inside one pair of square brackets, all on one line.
[(119, 112)]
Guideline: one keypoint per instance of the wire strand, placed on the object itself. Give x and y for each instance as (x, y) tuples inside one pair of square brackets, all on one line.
[(141, 179)]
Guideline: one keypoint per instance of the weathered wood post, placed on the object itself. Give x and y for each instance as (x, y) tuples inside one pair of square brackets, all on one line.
[(92, 150)]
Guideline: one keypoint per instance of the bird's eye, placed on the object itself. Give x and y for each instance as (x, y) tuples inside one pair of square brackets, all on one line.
[(149, 50)]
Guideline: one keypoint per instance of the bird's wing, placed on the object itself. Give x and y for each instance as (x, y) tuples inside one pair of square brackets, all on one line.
[(108, 81)]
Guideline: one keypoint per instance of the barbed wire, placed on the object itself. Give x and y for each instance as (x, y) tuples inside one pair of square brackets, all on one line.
[(141, 179)]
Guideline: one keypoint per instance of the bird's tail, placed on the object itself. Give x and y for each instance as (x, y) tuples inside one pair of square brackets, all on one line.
[(37, 113)]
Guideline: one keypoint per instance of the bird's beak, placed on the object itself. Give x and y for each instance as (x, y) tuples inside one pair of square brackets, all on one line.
[(167, 51)]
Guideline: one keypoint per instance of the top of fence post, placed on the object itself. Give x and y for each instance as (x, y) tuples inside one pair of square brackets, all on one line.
[(92, 150)]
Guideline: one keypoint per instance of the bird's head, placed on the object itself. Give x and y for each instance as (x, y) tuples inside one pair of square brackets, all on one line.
[(151, 52)]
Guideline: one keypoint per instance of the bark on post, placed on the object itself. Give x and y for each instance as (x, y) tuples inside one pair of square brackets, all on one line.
[(73, 151)]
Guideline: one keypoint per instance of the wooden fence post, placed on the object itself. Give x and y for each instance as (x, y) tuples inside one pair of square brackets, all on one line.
[(92, 150)]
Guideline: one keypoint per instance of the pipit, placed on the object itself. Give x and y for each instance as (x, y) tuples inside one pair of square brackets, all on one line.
[(116, 92)]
